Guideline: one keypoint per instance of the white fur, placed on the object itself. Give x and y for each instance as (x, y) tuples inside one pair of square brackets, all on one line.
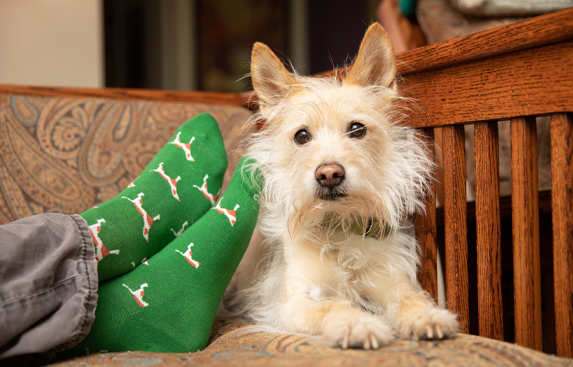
[(300, 276)]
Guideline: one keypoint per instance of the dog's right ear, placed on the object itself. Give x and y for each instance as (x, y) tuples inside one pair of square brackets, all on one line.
[(271, 80)]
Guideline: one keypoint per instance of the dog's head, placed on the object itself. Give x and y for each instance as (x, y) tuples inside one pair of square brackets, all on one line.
[(334, 145)]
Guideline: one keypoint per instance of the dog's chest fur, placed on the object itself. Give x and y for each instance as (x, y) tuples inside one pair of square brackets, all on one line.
[(334, 268)]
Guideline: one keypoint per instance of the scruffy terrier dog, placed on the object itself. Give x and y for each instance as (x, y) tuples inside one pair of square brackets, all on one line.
[(334, 253)]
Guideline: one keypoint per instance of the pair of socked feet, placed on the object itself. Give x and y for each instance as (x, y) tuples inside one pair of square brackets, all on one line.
[(165, 251)]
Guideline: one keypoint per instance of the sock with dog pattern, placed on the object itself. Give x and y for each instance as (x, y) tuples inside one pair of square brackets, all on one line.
[(169, 196), (169, 304)]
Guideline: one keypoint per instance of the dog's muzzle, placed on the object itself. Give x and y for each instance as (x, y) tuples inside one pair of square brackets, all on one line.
[(330, 176)]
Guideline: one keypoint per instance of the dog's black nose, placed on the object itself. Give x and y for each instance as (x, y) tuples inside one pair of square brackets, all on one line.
[(330, 175)]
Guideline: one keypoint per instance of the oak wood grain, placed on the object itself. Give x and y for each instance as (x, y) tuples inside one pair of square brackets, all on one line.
[(525, 228), (528, 82), (426, 229), (562, 204), (520, 81), (456, 245), (488, 233), (230, 99)]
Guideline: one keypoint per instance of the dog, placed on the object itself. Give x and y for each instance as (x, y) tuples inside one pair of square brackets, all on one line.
[(333, 254)]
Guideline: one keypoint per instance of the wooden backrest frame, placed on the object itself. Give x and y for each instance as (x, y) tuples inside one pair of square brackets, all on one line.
[(228, 99), (513, 72)]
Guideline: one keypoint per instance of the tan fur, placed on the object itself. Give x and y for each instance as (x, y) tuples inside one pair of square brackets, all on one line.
[(301, 276), (375, 63)]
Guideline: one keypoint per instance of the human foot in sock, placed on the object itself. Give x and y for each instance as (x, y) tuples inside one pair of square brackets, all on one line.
[(170, 194), (170, 305)]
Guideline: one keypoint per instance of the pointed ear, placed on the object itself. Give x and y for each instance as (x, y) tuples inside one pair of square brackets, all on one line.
[(271, 80), (376, 62)]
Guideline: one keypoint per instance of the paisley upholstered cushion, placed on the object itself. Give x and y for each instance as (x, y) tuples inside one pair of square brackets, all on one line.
[(234, 344), (66, 155)]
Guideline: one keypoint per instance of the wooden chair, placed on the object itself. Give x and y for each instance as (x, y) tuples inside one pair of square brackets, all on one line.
[(514, 72)]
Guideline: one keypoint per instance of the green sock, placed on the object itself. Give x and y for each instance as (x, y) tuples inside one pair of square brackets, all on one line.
[(169, 195), (169, 304)]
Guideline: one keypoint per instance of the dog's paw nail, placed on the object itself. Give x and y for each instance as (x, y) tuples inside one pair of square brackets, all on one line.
[(439, 332), (344, 344), (366, 342), (429, 332), (431, 323), (374, 342), (355, 329)]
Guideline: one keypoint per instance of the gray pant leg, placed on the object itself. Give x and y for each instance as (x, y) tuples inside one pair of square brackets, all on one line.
[(48, 284)]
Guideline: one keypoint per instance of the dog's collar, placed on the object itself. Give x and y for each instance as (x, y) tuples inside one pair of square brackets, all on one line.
[(371, 229)]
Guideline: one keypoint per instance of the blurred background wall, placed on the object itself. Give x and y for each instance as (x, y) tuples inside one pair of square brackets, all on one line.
[(206, 44), (52, 42), (171, 44)]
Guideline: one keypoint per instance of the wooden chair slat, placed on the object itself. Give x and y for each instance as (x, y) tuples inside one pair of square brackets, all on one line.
[(488, 235), (456, 244), (525, 228), (426, 230), (562, 215)]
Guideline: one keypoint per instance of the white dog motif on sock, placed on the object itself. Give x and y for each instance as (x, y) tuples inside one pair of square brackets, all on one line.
[(147, 220), (212, 198), (186, 147), (172, 182), (187, 254), (231, 214), (177, 234), (138, 295), (101, 250)]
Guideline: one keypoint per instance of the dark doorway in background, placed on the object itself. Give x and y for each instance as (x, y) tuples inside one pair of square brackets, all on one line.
[(206, 44)]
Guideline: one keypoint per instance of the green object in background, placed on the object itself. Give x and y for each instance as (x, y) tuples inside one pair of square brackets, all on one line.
[(408, 7)]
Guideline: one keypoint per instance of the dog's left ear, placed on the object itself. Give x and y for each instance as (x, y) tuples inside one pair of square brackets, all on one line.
[(376, 62)]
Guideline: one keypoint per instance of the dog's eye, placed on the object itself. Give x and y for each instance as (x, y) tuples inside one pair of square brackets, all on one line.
[(302, 137), (356, 130)]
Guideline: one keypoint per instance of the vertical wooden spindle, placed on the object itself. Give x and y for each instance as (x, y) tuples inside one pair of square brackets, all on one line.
[(426, 229), (525, 231), (562, 210), (455, 224), (490, 309)]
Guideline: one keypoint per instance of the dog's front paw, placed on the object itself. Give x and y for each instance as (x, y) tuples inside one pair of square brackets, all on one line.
[(355, 329), (431, 323)]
